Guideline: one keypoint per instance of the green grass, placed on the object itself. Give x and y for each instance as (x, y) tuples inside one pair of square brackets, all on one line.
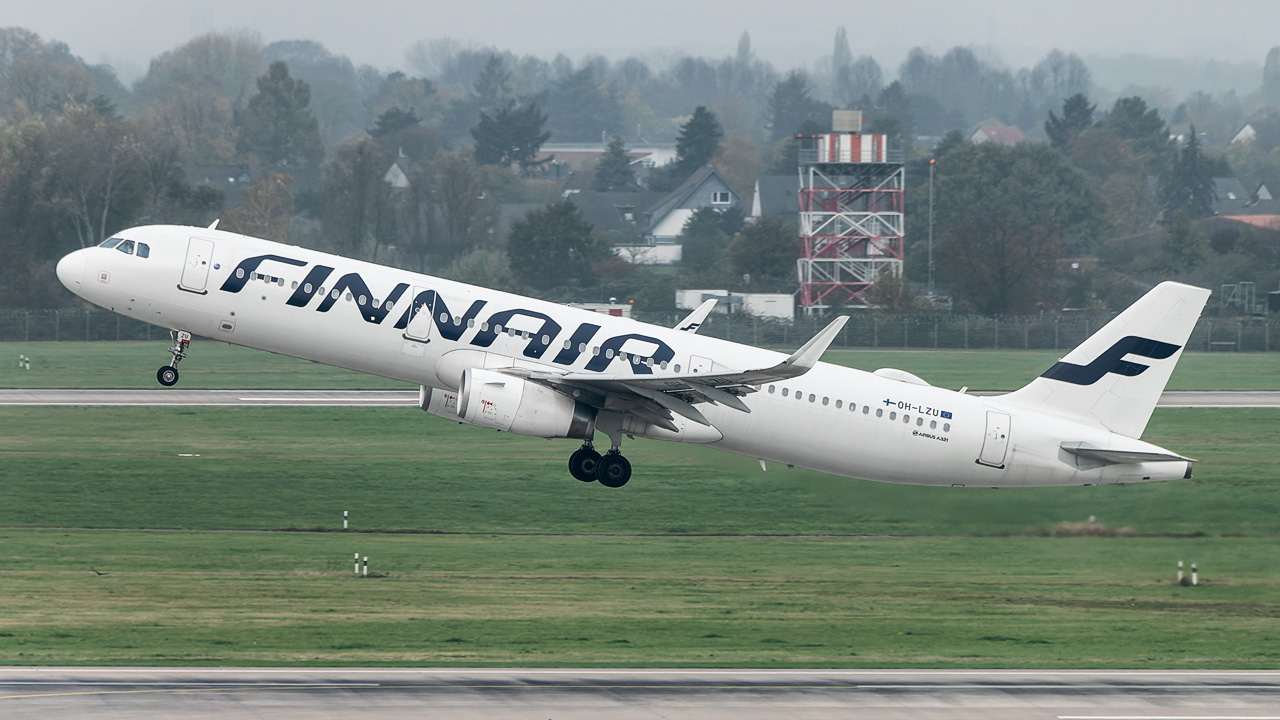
[(220, 366), (398, 469), (209, 364), (263, 599), (494, 556)]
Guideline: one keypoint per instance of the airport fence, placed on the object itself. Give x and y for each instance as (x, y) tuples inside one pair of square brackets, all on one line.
[(864, 330)]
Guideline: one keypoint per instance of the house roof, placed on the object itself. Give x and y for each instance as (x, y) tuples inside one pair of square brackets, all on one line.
[(998, 134), (687, 188), (776, 196), (608, 211)]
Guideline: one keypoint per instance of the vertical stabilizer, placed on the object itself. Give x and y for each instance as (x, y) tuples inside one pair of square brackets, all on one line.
[(1115, 377)]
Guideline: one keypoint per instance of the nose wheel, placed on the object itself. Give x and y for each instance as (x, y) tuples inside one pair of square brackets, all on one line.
[(168, 375)]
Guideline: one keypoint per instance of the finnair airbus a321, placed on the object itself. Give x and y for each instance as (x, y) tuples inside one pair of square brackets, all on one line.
[(513, 363)]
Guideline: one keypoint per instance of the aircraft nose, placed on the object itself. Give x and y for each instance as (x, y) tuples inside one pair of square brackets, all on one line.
[(71, 270)]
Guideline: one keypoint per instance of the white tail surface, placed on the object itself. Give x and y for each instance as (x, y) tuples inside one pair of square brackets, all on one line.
[(1115, 378)]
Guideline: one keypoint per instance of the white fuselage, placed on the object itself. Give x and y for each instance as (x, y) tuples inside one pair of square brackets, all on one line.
[(832, 419)]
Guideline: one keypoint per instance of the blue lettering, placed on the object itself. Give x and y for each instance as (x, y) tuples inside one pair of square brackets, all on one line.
[(600, 363), (244, 271), (536, 347)]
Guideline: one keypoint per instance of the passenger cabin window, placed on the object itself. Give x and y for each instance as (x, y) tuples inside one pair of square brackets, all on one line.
[(126, 247)]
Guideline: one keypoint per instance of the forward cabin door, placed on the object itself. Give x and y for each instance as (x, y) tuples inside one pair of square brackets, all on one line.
[(996, 442), (195, 272)]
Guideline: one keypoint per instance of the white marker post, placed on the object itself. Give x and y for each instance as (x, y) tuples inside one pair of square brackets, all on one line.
[(357, 570), (366, 566), (344, 519), (1179, 572), (1194, 580)]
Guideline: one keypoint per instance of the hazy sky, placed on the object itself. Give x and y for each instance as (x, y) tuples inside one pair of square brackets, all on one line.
[(127, 33)]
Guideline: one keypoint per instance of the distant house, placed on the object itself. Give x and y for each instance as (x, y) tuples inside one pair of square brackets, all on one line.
[(1245, 134), (645, 226), (397, 175), (998, 134), (1258, 209)]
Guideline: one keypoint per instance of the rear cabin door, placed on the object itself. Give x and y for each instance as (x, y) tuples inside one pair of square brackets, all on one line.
[(195, 272), (996, 442)]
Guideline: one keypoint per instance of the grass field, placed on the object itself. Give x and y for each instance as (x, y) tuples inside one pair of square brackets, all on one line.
[(491, 555), (217, 365)]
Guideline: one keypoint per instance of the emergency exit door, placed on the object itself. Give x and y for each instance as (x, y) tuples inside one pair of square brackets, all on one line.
[(195, 272), (996, 442)]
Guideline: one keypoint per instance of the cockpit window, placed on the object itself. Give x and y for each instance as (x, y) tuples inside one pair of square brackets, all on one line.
[(110, 242), (126, 247), (144, 250)]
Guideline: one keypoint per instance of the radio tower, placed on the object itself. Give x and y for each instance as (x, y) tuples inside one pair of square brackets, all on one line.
[(851, 190)]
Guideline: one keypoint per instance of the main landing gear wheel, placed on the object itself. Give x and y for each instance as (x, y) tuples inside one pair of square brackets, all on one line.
[(168, 375), (613, 470), (582, 463)]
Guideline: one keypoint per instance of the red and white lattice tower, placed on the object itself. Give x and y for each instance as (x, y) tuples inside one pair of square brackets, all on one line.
[(851, 222)]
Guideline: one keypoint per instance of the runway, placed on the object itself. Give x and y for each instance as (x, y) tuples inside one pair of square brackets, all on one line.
[(409, 398), (564, 694)]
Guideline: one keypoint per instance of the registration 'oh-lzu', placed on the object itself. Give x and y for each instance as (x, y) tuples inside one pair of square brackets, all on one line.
[(513, 363)]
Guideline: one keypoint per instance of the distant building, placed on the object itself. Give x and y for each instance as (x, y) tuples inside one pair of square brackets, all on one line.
[(998, 134), (645, 226), (780, 306)]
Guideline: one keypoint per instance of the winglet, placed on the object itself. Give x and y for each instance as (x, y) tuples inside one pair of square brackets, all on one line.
[(808, 355), (694, 320)]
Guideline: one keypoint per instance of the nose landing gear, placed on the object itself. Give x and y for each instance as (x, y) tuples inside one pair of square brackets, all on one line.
[(168, 375)]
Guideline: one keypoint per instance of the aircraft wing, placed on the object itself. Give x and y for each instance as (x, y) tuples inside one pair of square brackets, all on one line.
[(654, 397)]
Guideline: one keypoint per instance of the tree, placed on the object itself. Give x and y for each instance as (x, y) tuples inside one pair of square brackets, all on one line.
[(766, 251), (1004, 214), (1187, 186), (1132, 120), (266, 211), (554, 246), (1271, 79), (355, 198), (706, 235), (698, 143), (613, 172), (790, 106), (1183, 246), (514, 135), (1077, 114), (583, 107), (276, 125)]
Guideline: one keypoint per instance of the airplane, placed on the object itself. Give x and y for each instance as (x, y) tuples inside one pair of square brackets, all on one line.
[(499, 360)]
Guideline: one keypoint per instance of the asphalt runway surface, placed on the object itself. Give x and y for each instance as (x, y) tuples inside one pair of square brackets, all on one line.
[(563, 694), (409, 398)]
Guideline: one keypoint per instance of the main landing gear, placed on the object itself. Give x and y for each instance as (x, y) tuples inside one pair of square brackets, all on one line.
[(168, 375), (611, 469)]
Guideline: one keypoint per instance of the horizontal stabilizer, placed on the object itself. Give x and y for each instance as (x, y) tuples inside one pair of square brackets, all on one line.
[(1120, 457)]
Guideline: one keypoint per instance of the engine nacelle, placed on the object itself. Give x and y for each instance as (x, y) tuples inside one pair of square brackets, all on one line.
[(502, 402)]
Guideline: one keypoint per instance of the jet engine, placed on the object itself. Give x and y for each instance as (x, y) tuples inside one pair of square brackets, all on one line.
[(502, 402)]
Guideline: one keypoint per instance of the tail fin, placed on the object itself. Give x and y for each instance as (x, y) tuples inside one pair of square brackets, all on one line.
[(1096, 383)]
